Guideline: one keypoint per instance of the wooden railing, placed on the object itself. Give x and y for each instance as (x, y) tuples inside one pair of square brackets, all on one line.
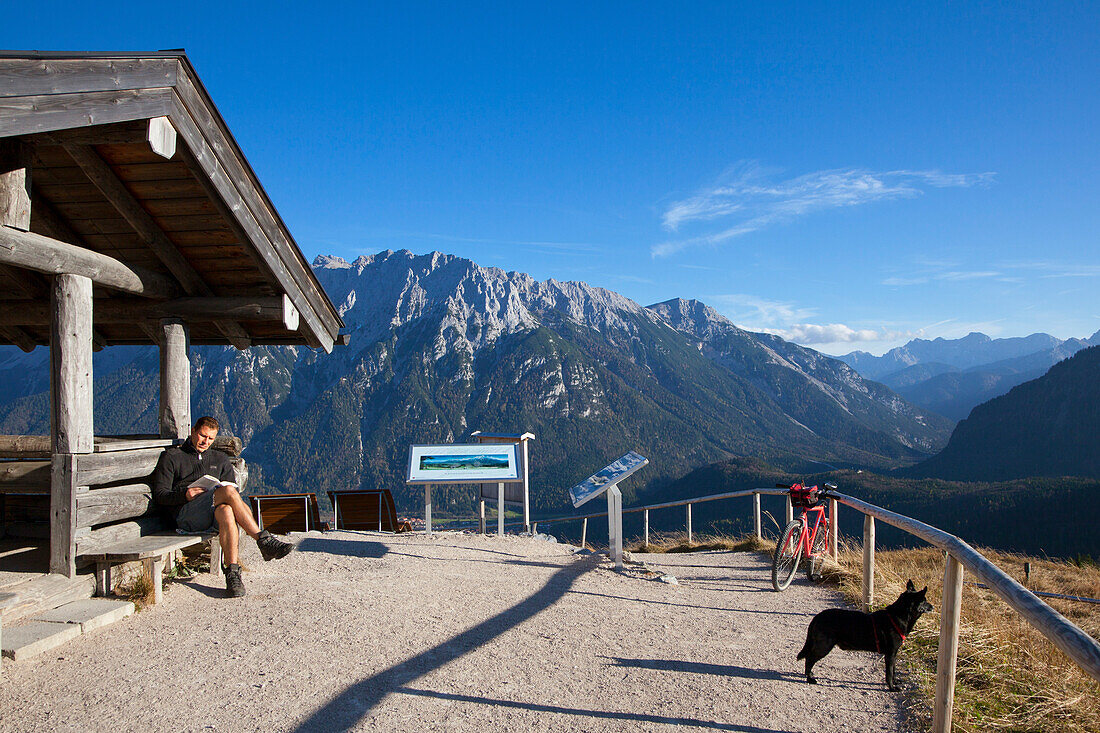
[(1060, 631)]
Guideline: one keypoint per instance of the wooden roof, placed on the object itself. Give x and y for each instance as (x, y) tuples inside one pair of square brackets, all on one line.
[(199, 220)]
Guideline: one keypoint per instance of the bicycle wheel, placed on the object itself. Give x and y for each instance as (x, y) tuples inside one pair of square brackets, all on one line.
[(788, 552), (816, 561)]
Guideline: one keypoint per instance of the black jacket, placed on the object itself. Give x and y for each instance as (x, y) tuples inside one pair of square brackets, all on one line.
[(179, 468)]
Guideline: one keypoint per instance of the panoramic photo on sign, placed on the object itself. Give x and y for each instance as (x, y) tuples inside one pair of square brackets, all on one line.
[(598, 482), (453, 464)]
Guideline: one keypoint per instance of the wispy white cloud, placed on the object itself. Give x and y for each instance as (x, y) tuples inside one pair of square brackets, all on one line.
[(751, 309), (747, 198), (792, 322), (1054, 269), (832, 333)]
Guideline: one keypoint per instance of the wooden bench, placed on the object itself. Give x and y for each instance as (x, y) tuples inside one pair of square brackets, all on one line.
[(282, 513), (364, 509), (152, 550)]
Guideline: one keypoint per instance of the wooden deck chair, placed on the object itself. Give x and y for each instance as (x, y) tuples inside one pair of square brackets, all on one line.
[(370, 509), (282, 513)]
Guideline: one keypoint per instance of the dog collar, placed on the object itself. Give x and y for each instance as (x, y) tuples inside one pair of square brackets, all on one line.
[(874, 630), (896, 627)]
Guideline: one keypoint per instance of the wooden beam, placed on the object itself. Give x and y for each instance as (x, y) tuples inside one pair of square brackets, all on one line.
[(162, 137), (35, 252), (31, 284), (175, 379), (15, 184), (63, 515), (32, 476), (103, 468), (28, 115), (220, 175), (47, 218), (112, 504), (19, 337), (124, 202), (124, 133), (194, 310), (38, 75), (291, 316), (71, 365)]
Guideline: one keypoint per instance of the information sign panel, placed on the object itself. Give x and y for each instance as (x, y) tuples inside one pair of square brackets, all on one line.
[(463, 464), (606, 477)]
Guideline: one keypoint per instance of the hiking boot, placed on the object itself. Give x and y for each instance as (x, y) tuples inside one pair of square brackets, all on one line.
[(234, 586), (271, 547)]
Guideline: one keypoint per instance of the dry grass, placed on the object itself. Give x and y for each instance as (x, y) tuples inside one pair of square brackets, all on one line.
[(1009, 677), (138, 590)]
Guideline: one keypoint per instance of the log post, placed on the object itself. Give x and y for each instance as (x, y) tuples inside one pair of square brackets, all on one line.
[(868, 561), (70, 409), (175, 379), (63, 514), (949, 646), (689, 522), (71, 364), (756, 516), (645, 531), (15, 184)]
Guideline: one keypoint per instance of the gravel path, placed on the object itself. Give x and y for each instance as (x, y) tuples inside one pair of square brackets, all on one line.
[(458, 633)]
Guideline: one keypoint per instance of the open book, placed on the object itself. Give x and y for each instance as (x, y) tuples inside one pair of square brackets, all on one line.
[(208, 482)]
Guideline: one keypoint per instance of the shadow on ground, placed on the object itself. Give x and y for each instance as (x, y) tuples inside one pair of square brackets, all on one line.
[(346, 548), (346, 708), (598, 714)]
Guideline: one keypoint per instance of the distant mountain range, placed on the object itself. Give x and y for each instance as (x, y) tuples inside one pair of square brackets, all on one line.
[(1049, 426), (441, 347), (951, 376)]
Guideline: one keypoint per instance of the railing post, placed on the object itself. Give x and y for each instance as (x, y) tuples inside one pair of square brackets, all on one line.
[(788, 512), (481, 517), (689, 522), (645, 525), (868, 561), (833, 528), (756, 515), (949, 646), (584, 532)]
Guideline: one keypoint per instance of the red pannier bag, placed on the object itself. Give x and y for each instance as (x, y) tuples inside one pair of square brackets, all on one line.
[(804, 497)]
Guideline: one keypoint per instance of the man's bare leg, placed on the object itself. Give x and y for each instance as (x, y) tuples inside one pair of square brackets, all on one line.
[(270, 546), (227, 534), (229, 497)]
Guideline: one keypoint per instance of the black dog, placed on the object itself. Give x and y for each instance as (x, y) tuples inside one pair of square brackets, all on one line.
[(882, 631)]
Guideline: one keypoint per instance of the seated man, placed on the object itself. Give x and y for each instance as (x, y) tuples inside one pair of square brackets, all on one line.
[(195, 509)]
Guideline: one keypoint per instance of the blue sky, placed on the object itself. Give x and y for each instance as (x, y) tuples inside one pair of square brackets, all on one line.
[(847, 175)]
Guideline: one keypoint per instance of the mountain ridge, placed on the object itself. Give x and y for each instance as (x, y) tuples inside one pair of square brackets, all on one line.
[(441, 346)]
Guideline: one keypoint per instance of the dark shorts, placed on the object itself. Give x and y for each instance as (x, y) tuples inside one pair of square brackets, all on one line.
[(197, 515)]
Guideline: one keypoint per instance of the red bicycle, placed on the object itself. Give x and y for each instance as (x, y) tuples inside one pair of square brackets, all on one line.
[(802, 537)]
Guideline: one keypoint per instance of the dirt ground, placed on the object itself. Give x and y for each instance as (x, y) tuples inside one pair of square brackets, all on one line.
[(458, 632)]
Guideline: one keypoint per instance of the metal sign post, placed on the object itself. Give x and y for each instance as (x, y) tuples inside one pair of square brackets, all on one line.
[(515, 494), (607, 481)]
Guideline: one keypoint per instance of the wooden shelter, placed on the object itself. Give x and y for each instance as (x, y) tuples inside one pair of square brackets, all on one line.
[(129, 215)]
